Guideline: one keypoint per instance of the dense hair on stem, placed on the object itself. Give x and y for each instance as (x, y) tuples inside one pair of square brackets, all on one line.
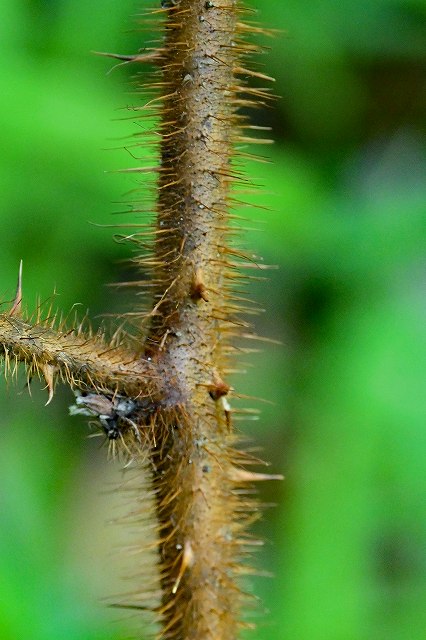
[(166, 403)]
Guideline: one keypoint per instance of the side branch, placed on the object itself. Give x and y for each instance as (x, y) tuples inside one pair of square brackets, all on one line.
[(81, 361)]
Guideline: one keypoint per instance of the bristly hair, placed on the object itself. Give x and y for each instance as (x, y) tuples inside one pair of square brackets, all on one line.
[(160, 390), (193, 275)]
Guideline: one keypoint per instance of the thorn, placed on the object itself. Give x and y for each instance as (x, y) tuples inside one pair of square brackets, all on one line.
[(16, 307), (48, 371), (241, 475), (218, 388), (228, 410), (152, 57), (187, 562), (28, 384), (198, 288)]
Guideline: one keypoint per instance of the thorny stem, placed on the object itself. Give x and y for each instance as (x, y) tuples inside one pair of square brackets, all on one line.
[(199, 480), (199, 545), (74, 358)]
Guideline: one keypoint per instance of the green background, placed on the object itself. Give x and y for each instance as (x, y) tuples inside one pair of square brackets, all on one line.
[(346, 423)]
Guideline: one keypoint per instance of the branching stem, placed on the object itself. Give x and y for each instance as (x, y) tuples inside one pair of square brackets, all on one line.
[(199, 479)]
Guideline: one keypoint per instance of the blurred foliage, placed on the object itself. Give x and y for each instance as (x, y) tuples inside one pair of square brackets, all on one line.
[(347, 229)]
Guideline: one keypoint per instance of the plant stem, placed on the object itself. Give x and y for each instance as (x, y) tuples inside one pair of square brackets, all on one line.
[(193, 459), (175, 382)]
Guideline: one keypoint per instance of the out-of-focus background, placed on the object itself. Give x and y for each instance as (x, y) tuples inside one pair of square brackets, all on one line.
[(346, 541)]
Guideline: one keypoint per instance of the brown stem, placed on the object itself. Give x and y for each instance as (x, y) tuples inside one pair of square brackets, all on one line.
[(193, 460), (75, 358), (198, 476)]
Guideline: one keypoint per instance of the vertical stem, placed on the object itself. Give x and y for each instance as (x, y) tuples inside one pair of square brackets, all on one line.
[(195, 174), (193, 459)]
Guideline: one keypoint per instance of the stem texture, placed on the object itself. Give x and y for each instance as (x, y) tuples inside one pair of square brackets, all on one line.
[(193, 459)]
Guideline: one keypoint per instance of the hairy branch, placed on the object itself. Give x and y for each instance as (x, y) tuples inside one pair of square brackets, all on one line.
[(201, 490), (81, 361)]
